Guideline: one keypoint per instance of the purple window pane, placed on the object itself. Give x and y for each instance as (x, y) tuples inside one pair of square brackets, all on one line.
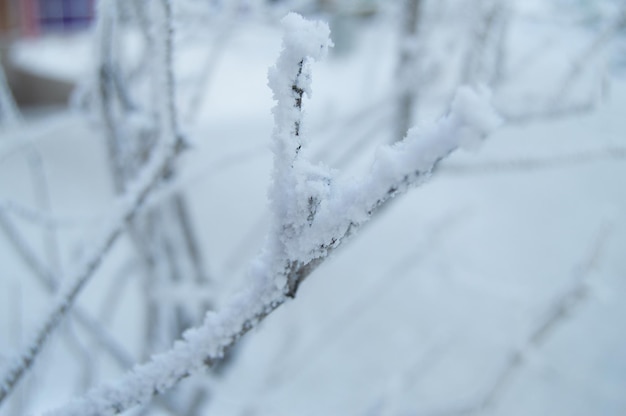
[(58, 15)]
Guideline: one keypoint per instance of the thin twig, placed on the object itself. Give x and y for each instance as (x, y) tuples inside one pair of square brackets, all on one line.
[(9, 112), (533, 164), (594, 48), (406, 67)]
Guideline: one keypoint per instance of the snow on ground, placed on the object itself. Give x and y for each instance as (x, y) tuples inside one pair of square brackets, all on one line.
[(422, 312)]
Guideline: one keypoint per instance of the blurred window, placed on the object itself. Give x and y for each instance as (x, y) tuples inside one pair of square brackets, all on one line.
[(62, 15)]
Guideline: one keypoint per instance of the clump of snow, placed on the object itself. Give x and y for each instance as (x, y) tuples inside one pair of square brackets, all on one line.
[(303, 43), (306, 37)]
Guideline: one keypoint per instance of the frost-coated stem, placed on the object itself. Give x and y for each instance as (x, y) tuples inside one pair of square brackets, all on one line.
[(313, 223), (105, 96), (411, 11), (168, 115), (476, 69)]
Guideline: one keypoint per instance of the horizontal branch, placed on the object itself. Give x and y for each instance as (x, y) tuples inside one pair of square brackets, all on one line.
[(533, 164)]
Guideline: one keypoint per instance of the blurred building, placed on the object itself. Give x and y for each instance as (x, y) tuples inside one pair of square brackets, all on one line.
[(36, 17), (24, 23)]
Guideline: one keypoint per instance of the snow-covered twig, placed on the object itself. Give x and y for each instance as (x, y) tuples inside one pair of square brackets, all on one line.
[(484, 59), (165, 77), (407, 64), (313, 215)]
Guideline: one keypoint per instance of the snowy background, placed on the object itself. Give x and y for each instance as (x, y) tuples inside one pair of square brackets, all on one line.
[(496, 288)]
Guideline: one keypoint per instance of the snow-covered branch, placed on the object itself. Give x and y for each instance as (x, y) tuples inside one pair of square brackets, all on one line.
[(314, 211)]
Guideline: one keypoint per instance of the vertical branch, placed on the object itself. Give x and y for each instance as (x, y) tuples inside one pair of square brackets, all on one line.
[(475, 68), (190, 240), (502, 30), (17, 405), (9, 112), (293, 201), (168, 115), (411, 11), (106, 91), (172, 128)]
